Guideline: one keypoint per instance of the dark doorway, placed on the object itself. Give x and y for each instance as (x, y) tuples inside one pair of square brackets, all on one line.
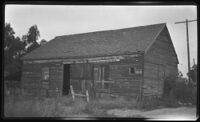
[(66, 79)]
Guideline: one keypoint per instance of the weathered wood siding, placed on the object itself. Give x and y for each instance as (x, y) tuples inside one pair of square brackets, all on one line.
[(125, 83), (159, 62), (32, 83), (81, 76)]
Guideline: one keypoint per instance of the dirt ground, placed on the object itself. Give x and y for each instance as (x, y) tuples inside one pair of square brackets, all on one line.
[(181, 113)]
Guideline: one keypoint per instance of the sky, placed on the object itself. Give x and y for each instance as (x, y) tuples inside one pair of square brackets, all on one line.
[(57, 20)]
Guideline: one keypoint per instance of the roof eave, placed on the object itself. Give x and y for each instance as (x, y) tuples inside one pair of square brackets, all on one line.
[(79, 57)]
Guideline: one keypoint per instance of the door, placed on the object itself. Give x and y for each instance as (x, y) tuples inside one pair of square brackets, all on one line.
[(66, 79)]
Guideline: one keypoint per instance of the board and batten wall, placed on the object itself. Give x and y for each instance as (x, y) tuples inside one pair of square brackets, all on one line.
[(159, 62)]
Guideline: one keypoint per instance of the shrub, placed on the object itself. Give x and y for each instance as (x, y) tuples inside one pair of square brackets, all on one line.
[(184, 93), (177, 90), (168, 85)]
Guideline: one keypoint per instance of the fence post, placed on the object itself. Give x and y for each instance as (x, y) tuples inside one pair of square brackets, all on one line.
[(87, 95), (72, 92)]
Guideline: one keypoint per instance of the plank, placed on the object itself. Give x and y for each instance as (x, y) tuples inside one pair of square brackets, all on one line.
[(162, 55)]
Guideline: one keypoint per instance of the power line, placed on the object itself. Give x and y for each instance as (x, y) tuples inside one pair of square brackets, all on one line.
[(185, 21)]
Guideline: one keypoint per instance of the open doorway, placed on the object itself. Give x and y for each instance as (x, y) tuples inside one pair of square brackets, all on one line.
[(66, 79)]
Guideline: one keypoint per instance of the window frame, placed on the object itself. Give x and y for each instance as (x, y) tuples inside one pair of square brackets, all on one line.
[(137, 71), (45, 73), (102, 76)]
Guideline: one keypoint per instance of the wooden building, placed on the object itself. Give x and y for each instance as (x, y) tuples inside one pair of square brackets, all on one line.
[(128, 62)]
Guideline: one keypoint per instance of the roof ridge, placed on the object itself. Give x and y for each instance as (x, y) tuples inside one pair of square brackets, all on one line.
[(108, 30)]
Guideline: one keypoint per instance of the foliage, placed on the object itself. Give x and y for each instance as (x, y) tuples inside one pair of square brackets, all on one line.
[(185, 93), (15, 48), (8, 35), (33, 34), (43, 41), (176, 89), (168, 84), (33, 46), (193, 73), (31, 38)]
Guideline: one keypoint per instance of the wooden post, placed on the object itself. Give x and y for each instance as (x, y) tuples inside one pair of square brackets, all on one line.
[(93, 84), (139, 97), (72, 92), (57, 92), (188, 50), (187, 36), (87, 95)]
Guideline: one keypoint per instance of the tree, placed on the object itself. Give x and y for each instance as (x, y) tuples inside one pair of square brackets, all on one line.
[(13, 49), (33, 34), (8, 41), (33, 46), (13, 46), (31, 38), (43, 41), (193, 73)]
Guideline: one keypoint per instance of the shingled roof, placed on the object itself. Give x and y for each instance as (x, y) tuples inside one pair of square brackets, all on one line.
[(100, 43)]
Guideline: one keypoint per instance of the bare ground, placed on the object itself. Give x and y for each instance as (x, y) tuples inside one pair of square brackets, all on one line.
[(180, 113)]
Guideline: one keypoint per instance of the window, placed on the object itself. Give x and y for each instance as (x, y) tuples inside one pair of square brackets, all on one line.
[(101, 73), (45, 73), (97, 73), (101, 76), (134, 70)]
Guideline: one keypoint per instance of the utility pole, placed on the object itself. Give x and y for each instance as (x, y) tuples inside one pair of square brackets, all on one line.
[(187, 36), (193, 61)]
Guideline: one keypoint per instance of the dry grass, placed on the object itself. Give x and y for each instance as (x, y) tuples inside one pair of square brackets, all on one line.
[(18, 106), (61, 107), (98, 107), (49, 107)]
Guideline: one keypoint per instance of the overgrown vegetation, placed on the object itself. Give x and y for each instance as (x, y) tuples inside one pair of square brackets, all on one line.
[(185, 93), (18, 106), (178, 90), (48, 107), (175, 92)]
